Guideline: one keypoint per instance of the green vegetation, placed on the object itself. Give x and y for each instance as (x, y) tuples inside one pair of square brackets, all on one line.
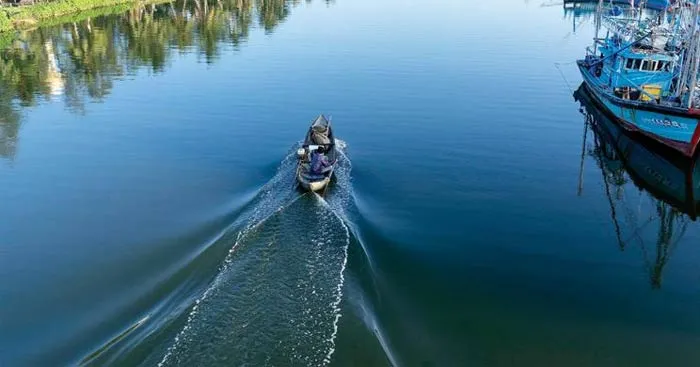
[(5, 23), (28, 16), (5, 38)]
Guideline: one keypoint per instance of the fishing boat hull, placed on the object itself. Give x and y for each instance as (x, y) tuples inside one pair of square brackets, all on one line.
[(315, 186), (674, 127), (696, 184)]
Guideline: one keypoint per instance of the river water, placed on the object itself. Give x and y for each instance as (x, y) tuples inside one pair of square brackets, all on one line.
[(482, 214)]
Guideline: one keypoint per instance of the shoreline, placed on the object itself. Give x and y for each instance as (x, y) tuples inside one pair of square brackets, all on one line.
[(30, 16)]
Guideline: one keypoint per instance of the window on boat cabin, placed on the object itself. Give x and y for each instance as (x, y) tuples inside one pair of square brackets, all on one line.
[(661, 65), (647, 65), (633, 64), (637, 64)]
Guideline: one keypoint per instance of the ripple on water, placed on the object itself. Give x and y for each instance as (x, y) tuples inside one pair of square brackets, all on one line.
[(277, 297)]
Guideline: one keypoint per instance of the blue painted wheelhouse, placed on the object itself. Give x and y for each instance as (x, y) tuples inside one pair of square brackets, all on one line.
[(645, 76)]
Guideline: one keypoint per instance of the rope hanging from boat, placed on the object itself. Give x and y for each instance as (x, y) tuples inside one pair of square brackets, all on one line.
[(556, 65)]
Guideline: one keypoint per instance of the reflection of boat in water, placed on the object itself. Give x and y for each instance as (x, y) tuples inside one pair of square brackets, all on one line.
[(649, 4), (578, 13), (317, 156), (667, 182), (583, 11)]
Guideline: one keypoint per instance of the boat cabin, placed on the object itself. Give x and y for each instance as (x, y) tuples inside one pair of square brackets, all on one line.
[(637, 72)]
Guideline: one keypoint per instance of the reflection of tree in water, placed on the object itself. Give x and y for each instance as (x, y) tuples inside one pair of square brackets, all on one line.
[(23, 70), (81, 59), (9, 124), (146, 32), (271, 13), (24, 67), (91, 61)]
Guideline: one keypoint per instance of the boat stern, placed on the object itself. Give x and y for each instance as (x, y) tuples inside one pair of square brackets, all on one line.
[(313, 186), (692, 147), (318, 185)]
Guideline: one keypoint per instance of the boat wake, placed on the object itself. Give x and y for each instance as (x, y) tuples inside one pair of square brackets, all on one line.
[(280, 285)]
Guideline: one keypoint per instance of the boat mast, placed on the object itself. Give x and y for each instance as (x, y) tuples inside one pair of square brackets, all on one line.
[(692, 57), (639, 11), (686, 56), (597, 21), (695, 44)]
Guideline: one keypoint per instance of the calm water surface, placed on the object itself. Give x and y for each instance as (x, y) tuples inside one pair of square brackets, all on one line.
[(482, 215)]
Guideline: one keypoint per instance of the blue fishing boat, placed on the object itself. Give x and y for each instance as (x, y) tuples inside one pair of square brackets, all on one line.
[(644, 74)]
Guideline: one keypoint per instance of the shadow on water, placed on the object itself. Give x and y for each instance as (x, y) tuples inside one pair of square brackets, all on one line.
[(667, 187)]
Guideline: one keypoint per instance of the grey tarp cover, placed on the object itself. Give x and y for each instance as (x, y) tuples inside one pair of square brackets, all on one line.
[(320, 131)]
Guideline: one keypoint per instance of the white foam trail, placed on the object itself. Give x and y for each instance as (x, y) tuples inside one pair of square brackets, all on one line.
[(341, 144), (339, 288), (265, 197), (239, 239), (274, 198), (343, 177)]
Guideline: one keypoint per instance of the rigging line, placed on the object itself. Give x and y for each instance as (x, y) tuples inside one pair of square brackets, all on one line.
[(638, 230), (556, 65)]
